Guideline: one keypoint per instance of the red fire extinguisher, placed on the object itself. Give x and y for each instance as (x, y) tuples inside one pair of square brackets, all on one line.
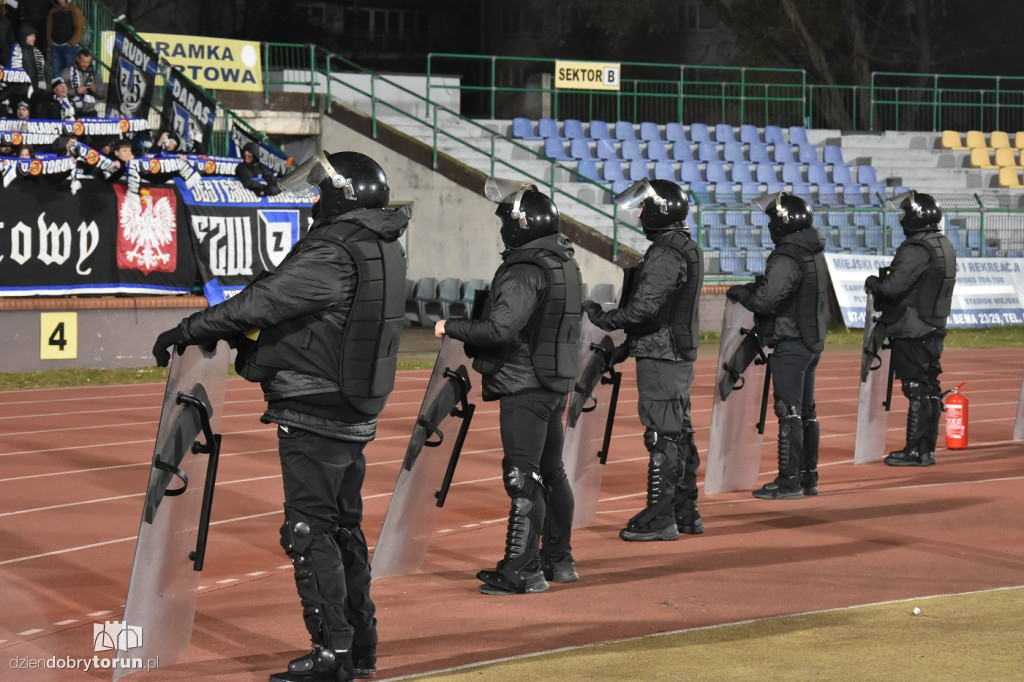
[(956, 419)]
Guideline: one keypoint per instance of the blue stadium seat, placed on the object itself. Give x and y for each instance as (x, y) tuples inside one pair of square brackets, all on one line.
[(689, 173), (573, 128), (605, 149), (619, 186), (873, 239), (724, 133), (841, 174), (427, 306), (726, 193), (755, 261), (657, 151), (714, 171), (649, 131), (638, 170), (612, 171), (757, 152), (675, 132), (522, 129), (579, 148), (783, 153), (833, 153), (599, 130), (807, 153), (749, 134), (866, 176), (740, 173), (746, 237), (849, 238), (682, 151), (449, 295), (554, 148), (730, 261), (588, 169), (773, 135), (768, 176), (973, 239), (798, 135), (624, 131), (699, 132), (548, 129), (733, 151), (837, 219), (631, 150), (707, 151), (665, 170)]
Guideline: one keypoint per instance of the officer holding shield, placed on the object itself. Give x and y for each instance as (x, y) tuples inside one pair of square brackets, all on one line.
[(324, 391), (788, 303), (915, 297), (524, 344), (659, 311)]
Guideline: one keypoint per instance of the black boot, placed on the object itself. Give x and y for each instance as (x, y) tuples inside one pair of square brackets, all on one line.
[(657, 521), (521, 571), (319, 665), (688, 520), (556, 550), (918, 408), (809, 462), (931, 429), (786, 485)]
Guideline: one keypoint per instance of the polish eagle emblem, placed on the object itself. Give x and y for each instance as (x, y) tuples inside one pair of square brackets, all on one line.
[(147, 226)]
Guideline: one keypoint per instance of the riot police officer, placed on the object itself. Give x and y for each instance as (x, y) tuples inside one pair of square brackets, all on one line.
[(915, 297), (323, 392), (788, 303), (524, 343), (659, 310)]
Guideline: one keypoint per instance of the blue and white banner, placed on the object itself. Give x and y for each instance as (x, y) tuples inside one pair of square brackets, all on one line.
[(989, 292)]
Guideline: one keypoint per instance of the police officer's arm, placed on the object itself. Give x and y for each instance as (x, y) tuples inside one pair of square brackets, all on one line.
[(663, 272), (314, 278), (516, 295), (781, 278), (907, 268)]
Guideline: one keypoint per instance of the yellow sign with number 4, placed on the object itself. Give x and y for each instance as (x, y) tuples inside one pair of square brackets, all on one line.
[(58, 336)]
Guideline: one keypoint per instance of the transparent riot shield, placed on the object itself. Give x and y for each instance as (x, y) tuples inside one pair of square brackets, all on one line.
[(875, 394), (429, 464), (1018, 426), (737, 414), (161, 602), (589, 418)]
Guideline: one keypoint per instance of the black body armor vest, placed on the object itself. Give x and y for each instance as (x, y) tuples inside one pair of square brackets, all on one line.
[(807, 305), (932, 298)]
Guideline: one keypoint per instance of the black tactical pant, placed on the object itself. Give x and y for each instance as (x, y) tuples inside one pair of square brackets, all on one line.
[(918, 360), (794, 367), (323, 480), (532, 437)]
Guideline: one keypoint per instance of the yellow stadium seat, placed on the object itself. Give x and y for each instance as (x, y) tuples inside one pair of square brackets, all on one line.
[(998, 139), (951, 140), (980, 158), (976, 140), (1009, 177), (1007, 158), (1018, 140)]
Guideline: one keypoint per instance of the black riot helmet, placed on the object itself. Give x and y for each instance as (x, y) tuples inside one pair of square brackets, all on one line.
[(345, 181), (918, 212), (662, 203), (787, 213), (526, 213)]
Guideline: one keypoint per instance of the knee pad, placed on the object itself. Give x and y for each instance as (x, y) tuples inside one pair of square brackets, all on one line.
[(810, 413), (518, 481), (296, 534)]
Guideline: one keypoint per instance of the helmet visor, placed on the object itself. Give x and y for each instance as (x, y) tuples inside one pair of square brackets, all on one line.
[(635, 195), (503, 191), (304, 180), (765, 200), (894, 203)]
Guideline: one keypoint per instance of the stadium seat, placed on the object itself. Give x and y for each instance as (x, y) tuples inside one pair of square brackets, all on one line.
[(873, 239), (757, 152), (554, 148), (773, 135), (731, 261), (674, 132), (689, 172), (783, 153), (981, 158), (724, 133), (605, 149), (1008, 158), (573, 129), (866, 176), (733, 151), (755, 261), (548, 129), (807, 153), (951, 140), (717, 236), (428, 308), (579, 148), (412, 313), (449, 295), (841, 174), (649, 131), (740, 172), (631, 150), (798, 135), (699, 132), (588, 169), (714, 171), (818, 175), (749, 134), (746, 236), (522, 129), (1009, 177), (767, 175), (998, 139), (849, 238), (624, 131), (469, 289), (707, 151), (665, 170), (976, 140), (657, 151), (1018, 139), (637, 170), (726, 194), (832, 154), (682, 151), (612, 171), (599, 130)]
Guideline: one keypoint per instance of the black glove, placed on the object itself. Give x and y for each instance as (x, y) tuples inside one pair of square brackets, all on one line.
[(871, 283), (619, 355), (171, 337), (593, 309), (734, 292)]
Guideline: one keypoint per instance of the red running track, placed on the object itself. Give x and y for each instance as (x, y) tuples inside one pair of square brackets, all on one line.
[(74, 465)]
